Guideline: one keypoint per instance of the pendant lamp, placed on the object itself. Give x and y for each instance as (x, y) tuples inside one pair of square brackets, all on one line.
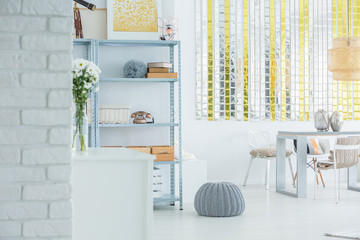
[(344, 56)]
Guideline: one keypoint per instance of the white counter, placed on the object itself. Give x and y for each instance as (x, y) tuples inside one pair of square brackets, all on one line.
[(112, 194)]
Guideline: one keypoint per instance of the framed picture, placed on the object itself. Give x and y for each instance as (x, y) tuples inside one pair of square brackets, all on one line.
[(133, 19)]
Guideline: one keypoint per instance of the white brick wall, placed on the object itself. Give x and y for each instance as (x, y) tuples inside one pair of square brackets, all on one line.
[(60, 62), (35, 119), (48, 228), (48, 191), (50, 155), (43, 80), (9, 79), (16, 23), (10, 6), (60, 136), (48, 117), (9, 41), (61, 210), (10, 155), (59, 173)]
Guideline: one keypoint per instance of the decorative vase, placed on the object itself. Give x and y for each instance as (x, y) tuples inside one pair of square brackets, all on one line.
[(336, 121), (321, 121), (80, 137)]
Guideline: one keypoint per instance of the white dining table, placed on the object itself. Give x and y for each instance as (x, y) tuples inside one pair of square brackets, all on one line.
[(301, 158)]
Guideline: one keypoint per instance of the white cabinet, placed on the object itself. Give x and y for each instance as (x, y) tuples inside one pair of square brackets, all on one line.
[(112, 194)]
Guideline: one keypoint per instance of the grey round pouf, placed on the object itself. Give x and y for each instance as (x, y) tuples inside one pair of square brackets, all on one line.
[(221, 199)]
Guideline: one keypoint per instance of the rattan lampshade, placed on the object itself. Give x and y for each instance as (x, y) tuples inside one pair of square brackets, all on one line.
[(344, 59)]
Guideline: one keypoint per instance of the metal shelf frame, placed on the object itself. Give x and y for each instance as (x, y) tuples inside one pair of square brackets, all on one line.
[(93, 47), (89, 45)]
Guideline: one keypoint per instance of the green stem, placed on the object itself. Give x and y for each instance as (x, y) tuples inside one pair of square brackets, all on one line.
[(79, 118)]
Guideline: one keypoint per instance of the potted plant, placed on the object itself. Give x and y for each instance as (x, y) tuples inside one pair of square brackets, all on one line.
[(85, 79)]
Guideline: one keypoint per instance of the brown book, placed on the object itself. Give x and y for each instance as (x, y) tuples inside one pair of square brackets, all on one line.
[(161, 75), (158, 70), (159, 64)]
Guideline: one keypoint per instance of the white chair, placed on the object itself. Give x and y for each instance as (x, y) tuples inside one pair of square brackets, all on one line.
[(345, 155), (325, 147), (261, 148)]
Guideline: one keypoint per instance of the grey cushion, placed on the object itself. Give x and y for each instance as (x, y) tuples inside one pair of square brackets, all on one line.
[(221, 199), (267, 152)]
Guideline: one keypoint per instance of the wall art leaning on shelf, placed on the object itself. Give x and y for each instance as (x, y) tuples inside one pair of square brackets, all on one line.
[(133, 19)]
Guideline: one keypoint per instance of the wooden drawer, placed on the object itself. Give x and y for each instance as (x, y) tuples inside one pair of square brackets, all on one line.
[(164, 157), (162, 149), (143, 149), (163, 153)]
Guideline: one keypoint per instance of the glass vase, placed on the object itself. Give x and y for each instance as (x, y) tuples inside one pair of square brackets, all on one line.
[(80, 136)]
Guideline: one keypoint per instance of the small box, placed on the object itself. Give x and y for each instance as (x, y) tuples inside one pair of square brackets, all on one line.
[(163, 153), (143, 149), (115, 114)]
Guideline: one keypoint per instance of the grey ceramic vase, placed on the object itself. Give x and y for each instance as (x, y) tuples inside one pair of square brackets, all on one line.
[(321, 121), (336, 121)]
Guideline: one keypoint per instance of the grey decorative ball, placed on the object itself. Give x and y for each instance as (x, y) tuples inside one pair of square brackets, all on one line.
[(135, 69), (221, 199)]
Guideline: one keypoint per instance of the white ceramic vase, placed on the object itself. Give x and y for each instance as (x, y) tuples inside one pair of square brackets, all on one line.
[(336, 121), (321, 121)]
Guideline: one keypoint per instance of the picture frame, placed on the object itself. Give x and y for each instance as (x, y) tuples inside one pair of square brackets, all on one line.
[(127, 19)]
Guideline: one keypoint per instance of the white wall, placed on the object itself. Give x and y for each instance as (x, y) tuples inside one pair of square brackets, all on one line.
[(223, 144), (35, 119)]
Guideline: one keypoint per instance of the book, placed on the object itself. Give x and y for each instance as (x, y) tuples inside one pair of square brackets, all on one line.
[(159, 65), (88, 109), (158, 70), (161, 75)]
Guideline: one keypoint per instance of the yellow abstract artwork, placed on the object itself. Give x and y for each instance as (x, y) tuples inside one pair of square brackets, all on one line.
[(135, 16)]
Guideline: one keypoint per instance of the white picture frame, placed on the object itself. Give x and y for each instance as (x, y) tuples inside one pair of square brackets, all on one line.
[(117, 35)]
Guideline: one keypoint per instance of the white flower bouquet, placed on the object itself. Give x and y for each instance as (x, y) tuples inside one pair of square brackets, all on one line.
[(85, 79)]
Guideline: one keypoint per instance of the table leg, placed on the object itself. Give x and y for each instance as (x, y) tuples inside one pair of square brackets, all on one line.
[(301, 166), (352, 179), (280, 163)]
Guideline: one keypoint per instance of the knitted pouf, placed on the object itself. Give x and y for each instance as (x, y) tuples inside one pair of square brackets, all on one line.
[(221, 199)]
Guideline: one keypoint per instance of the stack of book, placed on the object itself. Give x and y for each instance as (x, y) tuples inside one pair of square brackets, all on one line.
[(160, 70)]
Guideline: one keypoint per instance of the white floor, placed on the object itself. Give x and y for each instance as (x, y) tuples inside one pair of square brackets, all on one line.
[(268, 215)]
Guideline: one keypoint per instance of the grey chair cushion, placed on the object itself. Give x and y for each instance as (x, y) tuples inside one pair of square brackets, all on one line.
[(221, 199), (267, 152)]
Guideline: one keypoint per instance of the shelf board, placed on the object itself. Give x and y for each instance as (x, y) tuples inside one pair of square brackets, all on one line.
[(167, 198), (150, 43), (166, 162), (81, 41), (139, 125), (140, 80)]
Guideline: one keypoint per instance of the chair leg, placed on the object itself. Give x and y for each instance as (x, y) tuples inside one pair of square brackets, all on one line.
[(315, 171), (339, 184), (316, 181), (322, 180), (336, 186), (268, 175), (291, 171), (308, 165), (247, 173)]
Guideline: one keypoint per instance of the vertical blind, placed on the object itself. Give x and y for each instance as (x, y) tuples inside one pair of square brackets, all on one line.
[(259, 60)]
